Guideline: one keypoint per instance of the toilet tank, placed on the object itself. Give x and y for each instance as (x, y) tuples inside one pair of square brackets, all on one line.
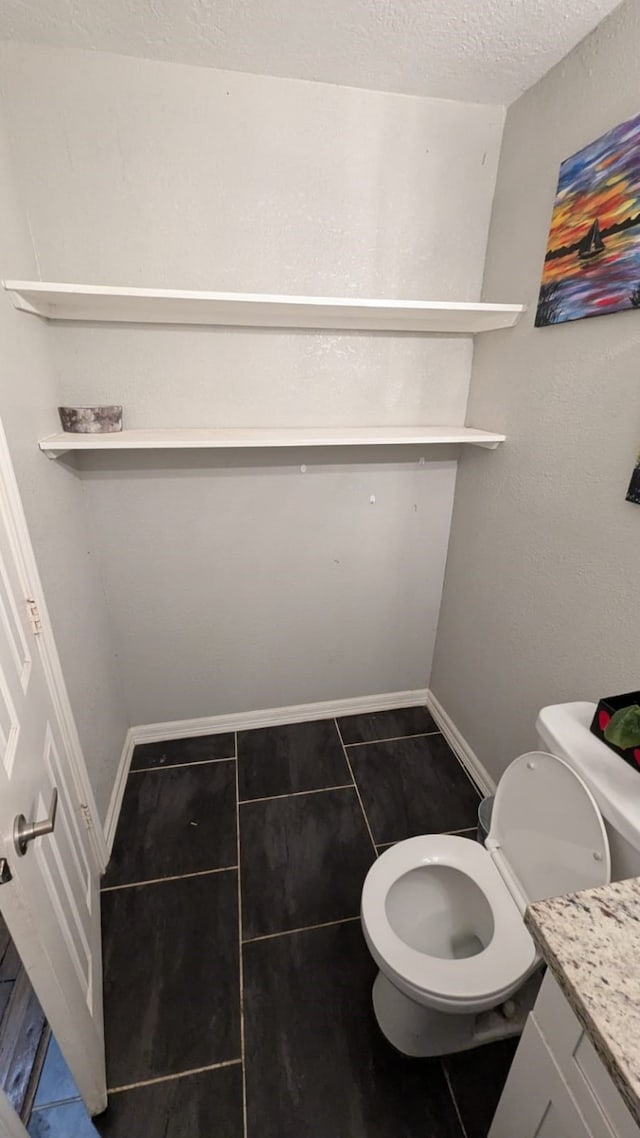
[(563, 730)]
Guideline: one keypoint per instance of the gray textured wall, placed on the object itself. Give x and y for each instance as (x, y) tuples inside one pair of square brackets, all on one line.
[(541, 589), (239, 583), (55, 507)]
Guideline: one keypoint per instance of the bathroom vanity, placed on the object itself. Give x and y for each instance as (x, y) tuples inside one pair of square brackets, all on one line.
[(576, 1073)]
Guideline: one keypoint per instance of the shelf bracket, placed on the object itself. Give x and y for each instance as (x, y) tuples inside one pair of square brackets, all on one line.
[(24, 305), (52, 452)]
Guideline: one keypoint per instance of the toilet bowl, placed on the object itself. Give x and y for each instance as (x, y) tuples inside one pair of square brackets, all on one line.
[(443, 915)]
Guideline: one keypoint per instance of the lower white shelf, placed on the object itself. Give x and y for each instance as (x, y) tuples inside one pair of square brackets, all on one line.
[(243, 437)]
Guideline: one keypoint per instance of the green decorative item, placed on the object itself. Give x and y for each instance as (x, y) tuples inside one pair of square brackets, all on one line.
[(623, 729)]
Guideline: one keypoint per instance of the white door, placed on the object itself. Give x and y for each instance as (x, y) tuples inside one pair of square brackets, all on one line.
[(51, 903)]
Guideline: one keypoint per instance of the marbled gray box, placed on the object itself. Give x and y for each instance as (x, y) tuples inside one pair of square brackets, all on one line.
[(91, 420)]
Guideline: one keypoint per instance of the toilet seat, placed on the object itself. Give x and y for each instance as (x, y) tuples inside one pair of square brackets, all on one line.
[(443, 915), (473, 982)]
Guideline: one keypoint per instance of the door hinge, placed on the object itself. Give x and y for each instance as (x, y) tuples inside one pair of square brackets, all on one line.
[(34, 616)]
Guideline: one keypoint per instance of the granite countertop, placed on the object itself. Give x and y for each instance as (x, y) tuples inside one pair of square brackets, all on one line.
[(591, 942)]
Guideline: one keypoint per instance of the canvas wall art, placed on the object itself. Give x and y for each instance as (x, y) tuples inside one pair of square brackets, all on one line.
[(633, 493), (592, 264)]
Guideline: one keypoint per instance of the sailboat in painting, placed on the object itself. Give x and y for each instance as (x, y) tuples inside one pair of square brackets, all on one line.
[(592, 243)]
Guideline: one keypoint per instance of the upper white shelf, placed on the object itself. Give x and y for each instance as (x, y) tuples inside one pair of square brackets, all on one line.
[(187, 438), (257, 310)]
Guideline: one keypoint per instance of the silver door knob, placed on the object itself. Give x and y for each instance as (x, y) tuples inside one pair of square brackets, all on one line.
[(25, 832)]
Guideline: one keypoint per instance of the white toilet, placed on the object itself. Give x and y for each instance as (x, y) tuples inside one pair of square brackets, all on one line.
[(443, 915)]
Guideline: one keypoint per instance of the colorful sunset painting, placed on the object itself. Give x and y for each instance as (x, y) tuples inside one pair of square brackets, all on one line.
[(592, 265)]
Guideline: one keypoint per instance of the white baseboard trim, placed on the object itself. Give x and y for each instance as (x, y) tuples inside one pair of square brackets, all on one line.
[(243, 721), (298, 713), (275, 716), (470, 761), (117, 794)]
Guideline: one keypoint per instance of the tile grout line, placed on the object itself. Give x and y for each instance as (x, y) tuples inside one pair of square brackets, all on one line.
[(178, 766), (357, 789), (392, 738), (240, 972), (479, 792), (301, 929), (463, 1129), (296, 793), (419, 735), (160, 880), (437, 834), (169, 1078)]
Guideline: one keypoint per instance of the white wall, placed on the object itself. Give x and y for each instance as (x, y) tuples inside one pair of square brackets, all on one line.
[(55, 510), (541, 594), (234, 584)]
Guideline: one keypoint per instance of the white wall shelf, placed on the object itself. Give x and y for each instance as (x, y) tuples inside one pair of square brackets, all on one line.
[(240, 438), (257, 310)]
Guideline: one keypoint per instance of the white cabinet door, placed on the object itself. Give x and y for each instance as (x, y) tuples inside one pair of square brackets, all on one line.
[(51, 903), (536, 1102), (586, 1076)]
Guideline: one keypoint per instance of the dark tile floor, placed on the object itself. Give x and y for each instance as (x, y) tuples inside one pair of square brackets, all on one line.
[(237, 982)]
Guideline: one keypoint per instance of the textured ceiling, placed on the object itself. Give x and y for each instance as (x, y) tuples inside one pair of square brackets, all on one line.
[(475, 50)]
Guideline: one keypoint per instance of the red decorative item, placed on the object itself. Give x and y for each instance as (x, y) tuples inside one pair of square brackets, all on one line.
[(604, 719)]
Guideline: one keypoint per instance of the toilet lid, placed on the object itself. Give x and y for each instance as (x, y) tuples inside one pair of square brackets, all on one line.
[(548, 828)]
